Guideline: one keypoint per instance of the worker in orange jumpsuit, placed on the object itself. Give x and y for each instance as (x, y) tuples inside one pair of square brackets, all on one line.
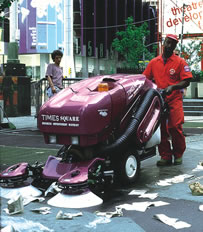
[(171, 73)]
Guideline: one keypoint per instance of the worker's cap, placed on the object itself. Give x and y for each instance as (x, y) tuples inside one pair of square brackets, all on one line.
[(171, 36)]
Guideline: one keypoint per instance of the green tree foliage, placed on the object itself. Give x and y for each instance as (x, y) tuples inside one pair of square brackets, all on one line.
[(5, 4), (130, 44), (193, 54)]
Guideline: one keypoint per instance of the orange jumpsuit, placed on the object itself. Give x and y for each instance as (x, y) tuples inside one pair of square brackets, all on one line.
[(172, 72)]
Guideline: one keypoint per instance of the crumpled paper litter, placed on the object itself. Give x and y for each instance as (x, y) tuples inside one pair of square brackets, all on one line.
[(8, 228), (30, 190), (23, 225), (196, 188), (117, 213), (172, 221), (199, 167), (98, 220), (28, 199), (15, 205), (137, 192), (68, 216), (42, 210), (142, 206), (151, 196), (201, 208), (53, 188), (174, 180)]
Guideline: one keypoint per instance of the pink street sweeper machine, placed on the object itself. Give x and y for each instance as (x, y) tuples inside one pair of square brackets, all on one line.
[(106, 125)]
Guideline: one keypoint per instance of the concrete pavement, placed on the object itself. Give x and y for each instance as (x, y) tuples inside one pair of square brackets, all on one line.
[(23, 122), (182, 204)]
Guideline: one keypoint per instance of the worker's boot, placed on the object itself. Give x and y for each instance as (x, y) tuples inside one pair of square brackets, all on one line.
[(178, 161), (163, 162)]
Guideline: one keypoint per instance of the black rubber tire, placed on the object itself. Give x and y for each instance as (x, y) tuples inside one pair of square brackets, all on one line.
[(127, 167)]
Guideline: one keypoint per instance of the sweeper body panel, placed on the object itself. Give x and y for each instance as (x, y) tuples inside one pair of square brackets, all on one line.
[(89, 113)]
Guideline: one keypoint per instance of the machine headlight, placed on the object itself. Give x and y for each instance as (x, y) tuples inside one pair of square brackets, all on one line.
[(52, 139), (75, 140)]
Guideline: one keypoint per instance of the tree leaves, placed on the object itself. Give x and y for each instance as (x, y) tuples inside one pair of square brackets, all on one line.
[(130, 44), (5, 4)]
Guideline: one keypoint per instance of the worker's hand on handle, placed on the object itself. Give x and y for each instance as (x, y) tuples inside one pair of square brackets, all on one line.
[(181, 85), (168, 90)]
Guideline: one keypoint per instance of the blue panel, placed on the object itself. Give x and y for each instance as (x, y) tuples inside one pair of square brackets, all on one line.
[(42, 31), (52, 36), (51, 14)]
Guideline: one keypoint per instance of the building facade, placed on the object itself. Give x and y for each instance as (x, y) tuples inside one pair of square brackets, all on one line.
[(86, 26)]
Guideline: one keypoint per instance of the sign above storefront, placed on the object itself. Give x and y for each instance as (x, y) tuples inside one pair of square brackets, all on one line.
[(174, 12)]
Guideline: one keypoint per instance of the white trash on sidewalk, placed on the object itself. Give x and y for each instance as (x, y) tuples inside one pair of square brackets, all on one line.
[(172, 221)]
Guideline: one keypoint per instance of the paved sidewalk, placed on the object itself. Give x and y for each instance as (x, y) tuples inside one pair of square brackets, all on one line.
[(23, 121)]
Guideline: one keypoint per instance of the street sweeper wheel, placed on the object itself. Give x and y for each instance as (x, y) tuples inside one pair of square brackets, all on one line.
[(128, 167)]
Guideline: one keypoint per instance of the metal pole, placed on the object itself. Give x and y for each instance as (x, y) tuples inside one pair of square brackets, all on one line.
[(14, 34), (13, 21), (68, 39), (143, 39), (3, 37), (158, 21)]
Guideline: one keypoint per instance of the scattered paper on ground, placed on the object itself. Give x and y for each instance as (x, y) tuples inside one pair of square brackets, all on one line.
[(151, 196), (30, 190), (142, 206), (68, 216), (117, 213), (196, 188), (142, 194), (199, 167), (172, 221), (53, 188), (15, 205), (159, 203), (42, 210), (137, 192), (174, 180), (201, 207), (8, 228), (99, 220), (20, 224), (28, 199), (163, 183)]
